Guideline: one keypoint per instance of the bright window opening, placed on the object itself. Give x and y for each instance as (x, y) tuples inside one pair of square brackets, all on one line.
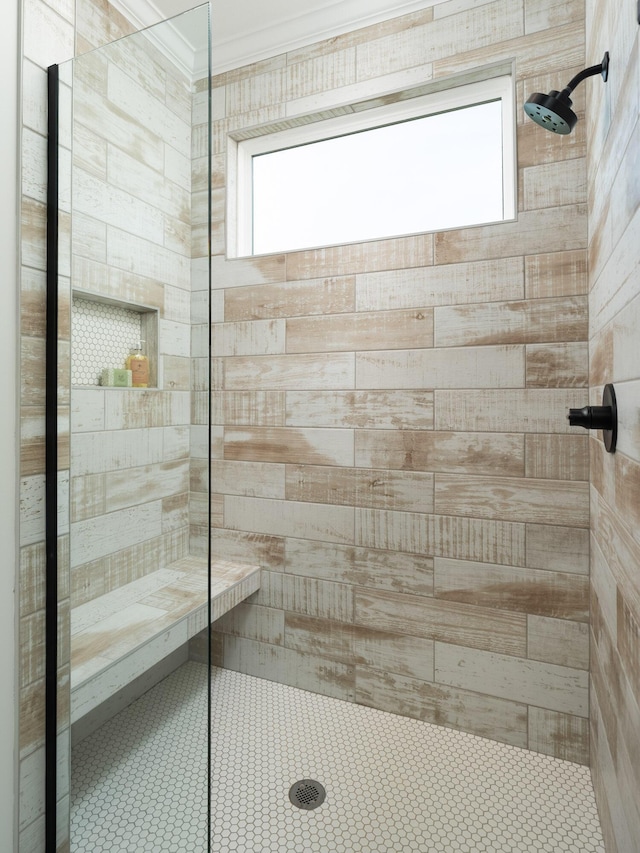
[(431, 163)]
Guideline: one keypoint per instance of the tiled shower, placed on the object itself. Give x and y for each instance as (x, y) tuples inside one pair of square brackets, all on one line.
[(389, 439)]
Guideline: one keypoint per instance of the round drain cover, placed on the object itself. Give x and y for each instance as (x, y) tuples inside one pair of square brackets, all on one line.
[(307, 794)]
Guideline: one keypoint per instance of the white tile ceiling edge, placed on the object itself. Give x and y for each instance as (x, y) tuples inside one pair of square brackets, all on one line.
[(235, 49)]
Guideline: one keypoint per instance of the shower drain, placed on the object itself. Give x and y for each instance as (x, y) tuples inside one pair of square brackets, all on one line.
[(307, 794)]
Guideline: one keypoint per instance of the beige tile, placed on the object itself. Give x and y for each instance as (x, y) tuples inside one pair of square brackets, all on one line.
[(557, 548), (559, 457), (360, 409), (531, 321), (320, 73), (527, 410), (556, 229), (532, 591), (240, 272), (367, 331), (367, 567), (393, 653), (255, 548), (449, 36), (486, 716), (556, 274), (555, 184), (543, 501), (361, 257), (288, 666), (451, 622), (254, 479), (255, 337), (557, 365), (308, 596), (436, 535), (290, 372), (445, 284), (408, 450), (562, 735), (462, 367), (87, 496), (329, 638), (558, 641), (248, 408), (254, 622), (295, 298), (289, 444), (360, 487), (545, 685), (135, 486), (290, 518)]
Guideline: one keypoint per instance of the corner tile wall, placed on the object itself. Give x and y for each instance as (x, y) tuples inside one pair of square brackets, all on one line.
[(391, 442), (614, 335), (131, 242)]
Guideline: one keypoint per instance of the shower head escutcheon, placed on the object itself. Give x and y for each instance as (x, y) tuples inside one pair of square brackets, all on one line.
[(553, 111)]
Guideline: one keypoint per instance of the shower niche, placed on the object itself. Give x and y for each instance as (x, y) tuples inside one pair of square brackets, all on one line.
[(104, 332)]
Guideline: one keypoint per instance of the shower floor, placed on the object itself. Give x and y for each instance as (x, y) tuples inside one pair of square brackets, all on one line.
[(393, 784)]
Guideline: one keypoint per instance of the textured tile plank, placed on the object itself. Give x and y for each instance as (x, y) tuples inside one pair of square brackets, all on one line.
[(366, 567), (557, 365), (436, 535), (558, 229), (289, 518), (553, 594), (295, 298), (544, 501), (290, 372), (450, 452), (366, 331), (289, 666), (557, 548), (361, 409), (465, 624), (558, 688), (289, 444), (556, 274), (463, 367), (528, 410), (361, 257), (557, 457), (558, 641), (524, 322), (564, 736), (360, 487), (474, 712), (393, 653), (445, 284)]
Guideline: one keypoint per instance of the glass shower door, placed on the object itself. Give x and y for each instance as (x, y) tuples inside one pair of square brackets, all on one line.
[(133, 404)]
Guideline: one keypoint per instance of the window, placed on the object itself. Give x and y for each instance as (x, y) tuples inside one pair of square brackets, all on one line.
[(444, 160)]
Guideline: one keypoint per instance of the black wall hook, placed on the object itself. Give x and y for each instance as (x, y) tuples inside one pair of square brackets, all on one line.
[(604, 417)]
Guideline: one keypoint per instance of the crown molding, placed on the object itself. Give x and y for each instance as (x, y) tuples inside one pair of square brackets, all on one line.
[(288, 32)]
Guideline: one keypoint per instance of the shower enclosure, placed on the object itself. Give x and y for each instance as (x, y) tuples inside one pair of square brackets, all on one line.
[(129, 571), (379, 425)]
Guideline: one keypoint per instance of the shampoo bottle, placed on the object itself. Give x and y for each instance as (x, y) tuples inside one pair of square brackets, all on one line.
[(138, 364)]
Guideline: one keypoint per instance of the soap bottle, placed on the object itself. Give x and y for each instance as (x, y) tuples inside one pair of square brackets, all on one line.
[(138, 364)]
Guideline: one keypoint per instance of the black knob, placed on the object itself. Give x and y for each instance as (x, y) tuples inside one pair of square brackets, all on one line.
[(591, 417), (604, 417)]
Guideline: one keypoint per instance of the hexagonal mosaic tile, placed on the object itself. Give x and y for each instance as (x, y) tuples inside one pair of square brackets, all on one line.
[(392, 784)]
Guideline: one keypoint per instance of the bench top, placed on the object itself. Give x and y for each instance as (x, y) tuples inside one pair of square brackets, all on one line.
[(119, 635)]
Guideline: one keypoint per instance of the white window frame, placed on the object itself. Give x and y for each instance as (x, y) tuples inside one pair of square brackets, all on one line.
[(241, 153)]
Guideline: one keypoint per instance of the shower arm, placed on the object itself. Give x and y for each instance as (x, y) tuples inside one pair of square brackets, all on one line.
[(602, 68)]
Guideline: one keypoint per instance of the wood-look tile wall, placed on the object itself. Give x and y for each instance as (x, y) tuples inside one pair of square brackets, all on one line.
[(390, 433), (131, 241), (614, 343)]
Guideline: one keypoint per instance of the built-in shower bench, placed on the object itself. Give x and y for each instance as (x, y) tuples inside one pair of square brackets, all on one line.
[(119, 636)]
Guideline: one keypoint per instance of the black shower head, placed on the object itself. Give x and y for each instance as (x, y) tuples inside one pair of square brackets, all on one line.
[(553, 111)]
